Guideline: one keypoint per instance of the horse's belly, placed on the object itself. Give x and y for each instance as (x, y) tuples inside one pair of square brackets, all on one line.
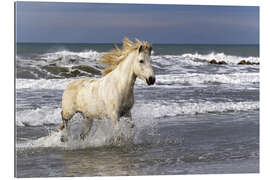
[(90, 104), (95, 110)]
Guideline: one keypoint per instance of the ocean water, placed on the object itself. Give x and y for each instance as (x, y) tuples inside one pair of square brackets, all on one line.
[(199, 118)]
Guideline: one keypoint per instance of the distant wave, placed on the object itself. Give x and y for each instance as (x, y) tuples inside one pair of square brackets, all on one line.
[(61, 64), (68, 64), (63, 57), (199, 59), (219, 57), (65, 54), (196, 78)]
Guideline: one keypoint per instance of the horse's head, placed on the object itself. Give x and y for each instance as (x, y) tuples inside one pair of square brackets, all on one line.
[(142, 65)]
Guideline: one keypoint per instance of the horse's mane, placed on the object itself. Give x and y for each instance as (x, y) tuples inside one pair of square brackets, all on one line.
[(117, 55)]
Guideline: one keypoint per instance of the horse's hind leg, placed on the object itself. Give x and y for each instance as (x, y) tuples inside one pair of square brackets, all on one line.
[(64, 136), (87, 125)]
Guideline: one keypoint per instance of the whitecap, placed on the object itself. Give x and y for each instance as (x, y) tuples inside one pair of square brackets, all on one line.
[(42, 83), (161, 80), (141, 110), (219, 57), (65, 53), (158, 109), (196, 78)]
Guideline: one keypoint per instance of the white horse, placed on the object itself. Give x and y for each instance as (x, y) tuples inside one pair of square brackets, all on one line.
[(112, 95)]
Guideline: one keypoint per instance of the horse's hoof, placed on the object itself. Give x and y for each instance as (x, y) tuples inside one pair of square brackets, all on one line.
[(118, 139), (63, 139), (82, 136), (132, 125)]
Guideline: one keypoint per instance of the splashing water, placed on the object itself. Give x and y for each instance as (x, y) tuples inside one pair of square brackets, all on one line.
[(102, 133)]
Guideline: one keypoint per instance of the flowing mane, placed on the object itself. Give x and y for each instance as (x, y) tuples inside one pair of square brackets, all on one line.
[(117, 55)]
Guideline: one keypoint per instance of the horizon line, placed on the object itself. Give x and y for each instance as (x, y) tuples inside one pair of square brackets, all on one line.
[(150, 42)]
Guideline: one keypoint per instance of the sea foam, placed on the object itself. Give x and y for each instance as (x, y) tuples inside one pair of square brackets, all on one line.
[(166, 79), (219, 57), (161, 109), (141, 110), (103, 133), (65, 53), (60, 64)]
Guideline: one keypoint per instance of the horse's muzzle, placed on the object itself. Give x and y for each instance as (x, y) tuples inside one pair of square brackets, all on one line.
[(151, 80)]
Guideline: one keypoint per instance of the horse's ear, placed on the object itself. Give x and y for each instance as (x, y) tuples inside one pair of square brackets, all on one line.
[(140, 48)]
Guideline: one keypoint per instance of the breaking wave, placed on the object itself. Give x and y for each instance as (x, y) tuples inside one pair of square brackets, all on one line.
[(195, 78), (90, 54), (61, 64), (220, 57), (169, 109), (155, 109), (67, 64)]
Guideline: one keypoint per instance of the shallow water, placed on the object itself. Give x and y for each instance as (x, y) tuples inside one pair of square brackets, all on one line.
[(198, 118), (213, 143)]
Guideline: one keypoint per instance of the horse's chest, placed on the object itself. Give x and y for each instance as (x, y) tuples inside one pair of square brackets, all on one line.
[(126, 105), (124, 110)]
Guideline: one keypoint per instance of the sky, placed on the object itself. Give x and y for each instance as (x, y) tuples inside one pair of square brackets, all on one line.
[(110, 23)]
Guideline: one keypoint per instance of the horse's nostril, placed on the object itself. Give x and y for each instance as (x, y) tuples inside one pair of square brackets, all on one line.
[(152, 80)]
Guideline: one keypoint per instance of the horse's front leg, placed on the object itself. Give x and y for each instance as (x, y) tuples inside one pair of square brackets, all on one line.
[(115, 121), (115, 118)]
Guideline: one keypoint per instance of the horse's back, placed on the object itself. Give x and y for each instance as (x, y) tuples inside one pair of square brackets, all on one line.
[(75, 84)]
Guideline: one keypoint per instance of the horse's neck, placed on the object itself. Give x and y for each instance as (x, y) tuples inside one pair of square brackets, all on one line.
[(125, 77)]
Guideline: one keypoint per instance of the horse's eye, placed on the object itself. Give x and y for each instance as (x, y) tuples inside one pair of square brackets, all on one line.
[(141, 61)]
